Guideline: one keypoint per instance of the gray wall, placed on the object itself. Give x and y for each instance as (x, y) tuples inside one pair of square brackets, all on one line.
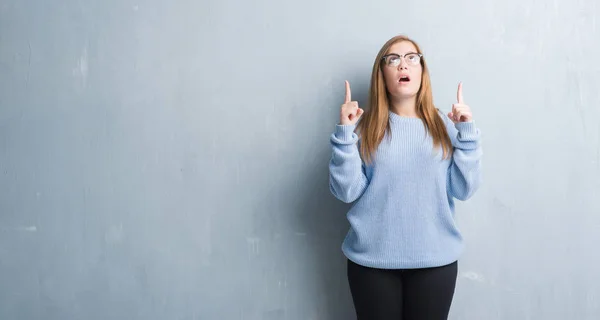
[(168, 159)]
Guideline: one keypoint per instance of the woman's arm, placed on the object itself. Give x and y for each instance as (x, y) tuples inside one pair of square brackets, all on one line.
[(347, 179), (464, 173)]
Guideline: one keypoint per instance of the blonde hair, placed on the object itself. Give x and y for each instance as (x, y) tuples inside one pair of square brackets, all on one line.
[(375, 121)]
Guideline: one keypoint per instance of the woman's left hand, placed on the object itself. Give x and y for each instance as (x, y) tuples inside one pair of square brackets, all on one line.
[(460, 111)]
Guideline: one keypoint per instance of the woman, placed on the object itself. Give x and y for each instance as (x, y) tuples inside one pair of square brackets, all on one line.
[(403, 167)]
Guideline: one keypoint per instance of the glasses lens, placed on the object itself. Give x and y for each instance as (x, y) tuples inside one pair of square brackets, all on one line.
[(392, 60), (413, 58)]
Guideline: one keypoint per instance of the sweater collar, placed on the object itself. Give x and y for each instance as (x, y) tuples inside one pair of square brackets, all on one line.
[(398, 118)]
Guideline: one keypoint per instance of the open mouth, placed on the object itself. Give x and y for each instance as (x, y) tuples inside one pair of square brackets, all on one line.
[(404, 79)]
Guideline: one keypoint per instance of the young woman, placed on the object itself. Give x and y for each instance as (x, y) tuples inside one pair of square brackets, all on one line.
[(403, 165)]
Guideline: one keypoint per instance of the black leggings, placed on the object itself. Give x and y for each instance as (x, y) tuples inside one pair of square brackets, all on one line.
[(406, 294)]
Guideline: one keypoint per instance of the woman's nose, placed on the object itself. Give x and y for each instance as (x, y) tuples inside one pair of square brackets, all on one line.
[(403, 64)]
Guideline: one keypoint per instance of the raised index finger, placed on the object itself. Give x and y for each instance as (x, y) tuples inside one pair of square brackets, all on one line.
[(459, 94), (348, 93)]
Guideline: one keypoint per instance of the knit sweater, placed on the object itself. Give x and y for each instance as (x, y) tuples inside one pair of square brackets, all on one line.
[(402, 215)]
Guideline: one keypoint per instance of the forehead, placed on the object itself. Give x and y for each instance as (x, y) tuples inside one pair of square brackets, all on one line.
[(402, 47)]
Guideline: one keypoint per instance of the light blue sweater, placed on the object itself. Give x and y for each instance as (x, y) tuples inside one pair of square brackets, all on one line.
[(403, 210)]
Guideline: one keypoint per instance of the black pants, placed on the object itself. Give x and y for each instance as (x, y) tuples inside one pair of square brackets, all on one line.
[(406, 294)]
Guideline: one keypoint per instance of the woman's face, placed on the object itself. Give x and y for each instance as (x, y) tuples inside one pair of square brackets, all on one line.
[(402, 70)]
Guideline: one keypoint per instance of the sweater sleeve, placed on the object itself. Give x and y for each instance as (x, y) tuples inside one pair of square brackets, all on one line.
[(347, 179), (464, 173)]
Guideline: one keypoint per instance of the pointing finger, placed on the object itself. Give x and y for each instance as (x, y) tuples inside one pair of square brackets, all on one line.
[(459, 94), (348, 93)]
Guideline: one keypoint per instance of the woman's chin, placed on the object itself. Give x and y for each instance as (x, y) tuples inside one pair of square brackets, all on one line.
[(404, 94)]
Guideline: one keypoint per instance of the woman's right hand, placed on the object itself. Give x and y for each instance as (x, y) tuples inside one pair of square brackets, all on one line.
[(350, 112)]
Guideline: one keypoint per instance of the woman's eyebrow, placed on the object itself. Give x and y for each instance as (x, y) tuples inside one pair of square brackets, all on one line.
[(402, 54)]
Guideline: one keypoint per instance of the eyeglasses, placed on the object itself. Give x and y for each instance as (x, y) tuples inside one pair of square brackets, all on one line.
[(393, 59)]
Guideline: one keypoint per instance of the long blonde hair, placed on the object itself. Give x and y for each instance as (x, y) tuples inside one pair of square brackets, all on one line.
[(375, 121)]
